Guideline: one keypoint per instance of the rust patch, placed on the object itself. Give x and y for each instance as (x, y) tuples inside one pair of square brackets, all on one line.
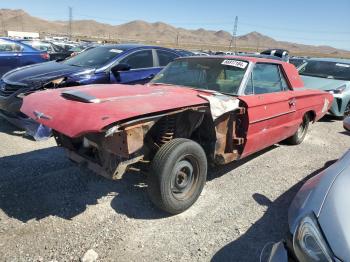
[(226, 139), (127, 141)]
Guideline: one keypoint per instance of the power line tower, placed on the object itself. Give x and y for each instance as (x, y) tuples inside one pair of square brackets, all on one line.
[(234, 35), (70, 10)]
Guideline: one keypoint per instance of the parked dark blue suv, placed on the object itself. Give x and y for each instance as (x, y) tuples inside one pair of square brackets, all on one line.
[(15, 54), (127, 64)]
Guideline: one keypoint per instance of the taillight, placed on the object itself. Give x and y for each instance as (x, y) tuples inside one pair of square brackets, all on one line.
[(45, 56)]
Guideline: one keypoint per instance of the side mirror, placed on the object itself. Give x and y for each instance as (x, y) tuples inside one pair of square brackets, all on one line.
[(120, 67)]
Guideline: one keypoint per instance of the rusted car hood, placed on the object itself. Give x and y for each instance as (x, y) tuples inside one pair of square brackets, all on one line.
[(75, 111)]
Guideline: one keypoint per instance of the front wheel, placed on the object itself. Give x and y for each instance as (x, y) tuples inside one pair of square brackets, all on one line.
[(178, 175), (299, 136)]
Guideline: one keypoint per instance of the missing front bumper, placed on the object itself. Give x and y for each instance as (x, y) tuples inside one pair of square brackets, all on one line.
[(117, 173)]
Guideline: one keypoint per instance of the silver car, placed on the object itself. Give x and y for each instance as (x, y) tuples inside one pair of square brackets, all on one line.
[(318, 218), (332, 75)]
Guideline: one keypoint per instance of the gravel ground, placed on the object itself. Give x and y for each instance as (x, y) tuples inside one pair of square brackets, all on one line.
[(52, 210)]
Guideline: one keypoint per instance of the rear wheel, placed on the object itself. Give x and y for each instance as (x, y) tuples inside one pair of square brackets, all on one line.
[(177, 175), (299, 136)]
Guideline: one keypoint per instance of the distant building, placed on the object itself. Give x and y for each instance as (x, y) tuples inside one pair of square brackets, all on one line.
[(18, 34), (58, 38)]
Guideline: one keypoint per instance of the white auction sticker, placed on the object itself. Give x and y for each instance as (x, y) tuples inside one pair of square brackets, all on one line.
[(235, 63)]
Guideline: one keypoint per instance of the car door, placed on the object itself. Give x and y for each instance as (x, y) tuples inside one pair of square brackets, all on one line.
[(271, 107), (142, 68), (9, 52)]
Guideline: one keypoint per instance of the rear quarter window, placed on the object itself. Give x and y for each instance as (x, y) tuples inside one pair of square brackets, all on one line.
[(165, 57)]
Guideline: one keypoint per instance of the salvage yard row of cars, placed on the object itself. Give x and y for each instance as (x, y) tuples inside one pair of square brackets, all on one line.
[(16, 53), (120, 108)]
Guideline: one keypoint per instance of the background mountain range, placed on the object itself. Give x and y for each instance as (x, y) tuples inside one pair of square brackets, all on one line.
[(159, 33)]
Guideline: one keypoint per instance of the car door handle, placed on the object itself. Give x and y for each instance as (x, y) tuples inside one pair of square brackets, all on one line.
[(292, 102)]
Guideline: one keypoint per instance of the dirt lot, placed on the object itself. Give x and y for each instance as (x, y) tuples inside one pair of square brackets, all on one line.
[(52, 210)]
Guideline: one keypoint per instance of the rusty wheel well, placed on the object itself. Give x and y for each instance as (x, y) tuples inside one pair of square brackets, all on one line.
[(195, 125)]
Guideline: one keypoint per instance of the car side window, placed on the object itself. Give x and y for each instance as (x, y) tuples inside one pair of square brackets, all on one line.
[(284, 81), (165, 57), (9, 47), (249, 89), (140, 59), (266, 79)]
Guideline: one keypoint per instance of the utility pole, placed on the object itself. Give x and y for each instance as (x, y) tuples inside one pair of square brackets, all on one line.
[(234, 35), (177, 39), (21, 19), (70, 10), (2, 25)]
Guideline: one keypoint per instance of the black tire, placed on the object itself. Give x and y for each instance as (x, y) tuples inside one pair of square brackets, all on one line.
[(300, 134), (177, 176)]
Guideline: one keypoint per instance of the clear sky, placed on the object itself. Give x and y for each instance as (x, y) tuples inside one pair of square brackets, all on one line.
[(322, 22)]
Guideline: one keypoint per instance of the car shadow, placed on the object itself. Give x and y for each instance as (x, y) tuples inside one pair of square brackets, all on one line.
[(138, 206), (44, 183), (329, 119), (270, 228), (347, 133), (217, 171)]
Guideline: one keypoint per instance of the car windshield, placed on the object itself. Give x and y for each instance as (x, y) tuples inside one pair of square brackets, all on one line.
[(326, 69), (95, 57), (217, 74)]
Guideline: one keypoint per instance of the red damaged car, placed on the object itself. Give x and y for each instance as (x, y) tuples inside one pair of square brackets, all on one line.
[(197, 109)]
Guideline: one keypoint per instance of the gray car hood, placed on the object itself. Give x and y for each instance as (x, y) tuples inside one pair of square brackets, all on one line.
[(334, 217), (327, 195), (320, 83)]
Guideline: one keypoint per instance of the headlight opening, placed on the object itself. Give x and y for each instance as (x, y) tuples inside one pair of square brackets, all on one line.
[(309, 243)]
